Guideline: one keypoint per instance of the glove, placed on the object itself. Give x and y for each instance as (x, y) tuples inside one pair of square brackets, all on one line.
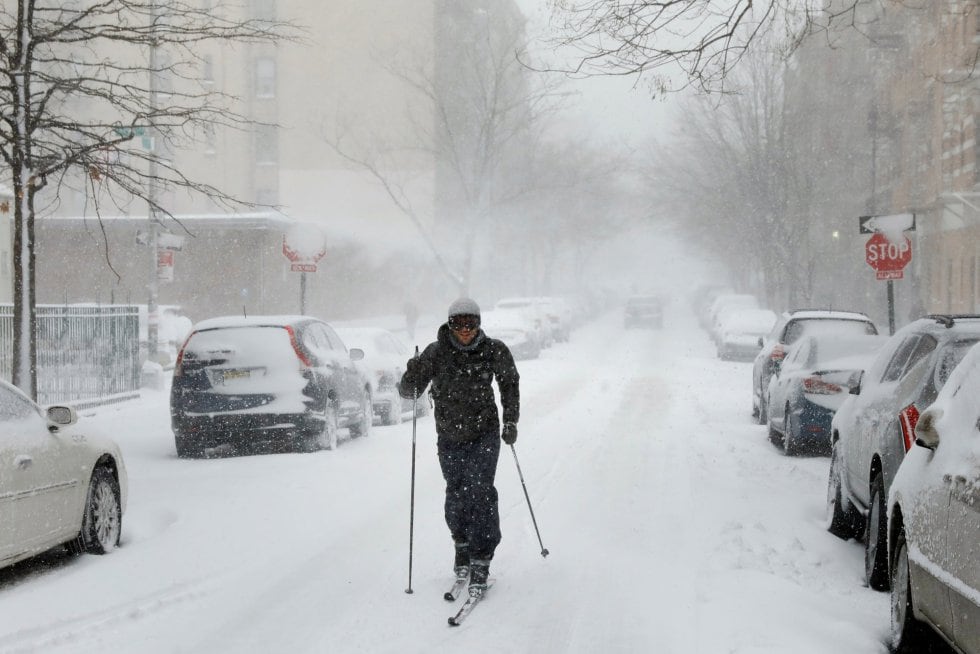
[(509, 435), (412, 369)]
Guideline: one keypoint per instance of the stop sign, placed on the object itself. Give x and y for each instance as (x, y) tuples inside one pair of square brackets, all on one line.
[(887, 257)]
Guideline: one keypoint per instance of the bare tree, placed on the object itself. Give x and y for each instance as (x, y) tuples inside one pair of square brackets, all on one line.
[(742, 189), (702, 40), (81, 79)]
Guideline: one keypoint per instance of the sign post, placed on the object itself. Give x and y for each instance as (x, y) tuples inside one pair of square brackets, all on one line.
[(888, 251), (304, 246)]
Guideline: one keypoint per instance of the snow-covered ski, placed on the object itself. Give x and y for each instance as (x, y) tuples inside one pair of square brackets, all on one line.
[(468, 606), (453, 593)]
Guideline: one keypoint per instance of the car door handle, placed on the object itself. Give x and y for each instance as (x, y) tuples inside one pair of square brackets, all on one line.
[(23, 461)]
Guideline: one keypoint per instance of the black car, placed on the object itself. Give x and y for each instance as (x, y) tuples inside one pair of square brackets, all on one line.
[(287, 382)]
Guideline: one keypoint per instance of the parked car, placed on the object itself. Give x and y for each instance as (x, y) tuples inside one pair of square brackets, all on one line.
[(56, 486), (536, 316), (384, 357), (934, 521), (644, 311), (559, 317), (790, 327), (874, 428), (287, 382), (514, 329), (740, 333), (811, 383), (724, 304)]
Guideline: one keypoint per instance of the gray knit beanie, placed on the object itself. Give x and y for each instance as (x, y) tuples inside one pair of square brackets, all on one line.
[(464, 307)]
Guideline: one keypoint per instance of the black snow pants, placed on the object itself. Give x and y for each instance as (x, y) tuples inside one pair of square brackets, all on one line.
[(471, 498)]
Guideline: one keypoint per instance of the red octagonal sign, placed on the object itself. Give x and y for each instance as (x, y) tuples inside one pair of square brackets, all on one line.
[(888, 258)]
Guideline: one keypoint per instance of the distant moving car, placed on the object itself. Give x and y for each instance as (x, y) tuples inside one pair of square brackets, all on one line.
[(56, 486), (384, 357), (514, 328), (874, 428), (282, 381), (787, 331), (811, 383), (644, 311), (933, 522), (740, 332)]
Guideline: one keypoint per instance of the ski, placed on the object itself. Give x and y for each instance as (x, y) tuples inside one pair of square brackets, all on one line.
[(468, 606), (453, 593)]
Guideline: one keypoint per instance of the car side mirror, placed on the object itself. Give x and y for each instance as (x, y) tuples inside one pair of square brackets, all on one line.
[(60, 416), (854, 382), (356, 354), (926, 434)]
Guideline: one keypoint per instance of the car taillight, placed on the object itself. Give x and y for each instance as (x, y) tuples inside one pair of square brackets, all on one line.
[(178, 369), (777, 352), (908, 418), (816, 385), (299, 353)]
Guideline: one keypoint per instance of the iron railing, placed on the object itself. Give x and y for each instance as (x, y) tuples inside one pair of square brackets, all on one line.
[(84, 352)]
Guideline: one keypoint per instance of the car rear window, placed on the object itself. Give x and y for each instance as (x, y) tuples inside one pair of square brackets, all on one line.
[(817, 326), (949, 358), (241, 346)]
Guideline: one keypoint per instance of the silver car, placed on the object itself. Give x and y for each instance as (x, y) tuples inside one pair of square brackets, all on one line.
[(934, 520), (873, 429)]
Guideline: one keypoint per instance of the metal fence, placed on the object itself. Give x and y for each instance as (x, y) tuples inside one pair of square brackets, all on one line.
[(84, 352)]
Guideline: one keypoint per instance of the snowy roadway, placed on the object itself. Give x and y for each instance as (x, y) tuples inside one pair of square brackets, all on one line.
[(674, 526)]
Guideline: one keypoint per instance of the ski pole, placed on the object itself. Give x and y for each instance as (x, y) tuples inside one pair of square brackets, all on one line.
[(544, 550), (411, 513)]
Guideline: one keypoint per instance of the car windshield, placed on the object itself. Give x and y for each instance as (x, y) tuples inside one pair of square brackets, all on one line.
[(949, 357), (818, 326)]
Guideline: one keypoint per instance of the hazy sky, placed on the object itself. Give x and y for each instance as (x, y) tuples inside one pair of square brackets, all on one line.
[(611, 107)]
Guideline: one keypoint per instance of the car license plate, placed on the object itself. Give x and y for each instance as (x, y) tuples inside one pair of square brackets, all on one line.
[(236, 374)]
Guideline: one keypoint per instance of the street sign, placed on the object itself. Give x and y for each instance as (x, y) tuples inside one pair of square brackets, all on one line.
[(888, 258), (304, 245), (302, 267), (904, 222)]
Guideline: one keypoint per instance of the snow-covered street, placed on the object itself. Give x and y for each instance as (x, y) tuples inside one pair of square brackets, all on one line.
[(673, 525)]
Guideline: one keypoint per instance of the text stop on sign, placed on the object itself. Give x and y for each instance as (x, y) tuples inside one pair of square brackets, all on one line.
[(887, 257)]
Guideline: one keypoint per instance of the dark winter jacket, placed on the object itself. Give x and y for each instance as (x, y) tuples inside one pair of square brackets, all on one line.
[(461, 379)]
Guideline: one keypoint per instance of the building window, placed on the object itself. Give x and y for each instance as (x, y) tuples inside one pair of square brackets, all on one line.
[(266, 145), (265, 77)]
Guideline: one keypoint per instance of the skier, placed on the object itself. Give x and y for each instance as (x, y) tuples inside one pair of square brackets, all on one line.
[(461, 364)]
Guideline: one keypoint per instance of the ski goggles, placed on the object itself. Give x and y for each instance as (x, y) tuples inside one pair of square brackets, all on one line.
[(461, 322)]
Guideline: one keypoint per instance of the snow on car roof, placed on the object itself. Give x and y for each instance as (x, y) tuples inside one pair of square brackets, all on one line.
[(224, 322), (819, 313)]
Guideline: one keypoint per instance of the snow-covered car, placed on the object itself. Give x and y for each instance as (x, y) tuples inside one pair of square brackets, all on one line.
[(288, 382), (536, 316), (514, 329), (933, 522), (643, 311), (384, 357), (874, 428), (740, 332), (57, 485), (811, 383), (790, 328)]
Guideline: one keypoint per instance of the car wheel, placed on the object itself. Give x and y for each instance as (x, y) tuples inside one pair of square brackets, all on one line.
[(329, 437), (363, 427), (790, 446), (908, 634), (841, 517), (875, 539), (102, 520)]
